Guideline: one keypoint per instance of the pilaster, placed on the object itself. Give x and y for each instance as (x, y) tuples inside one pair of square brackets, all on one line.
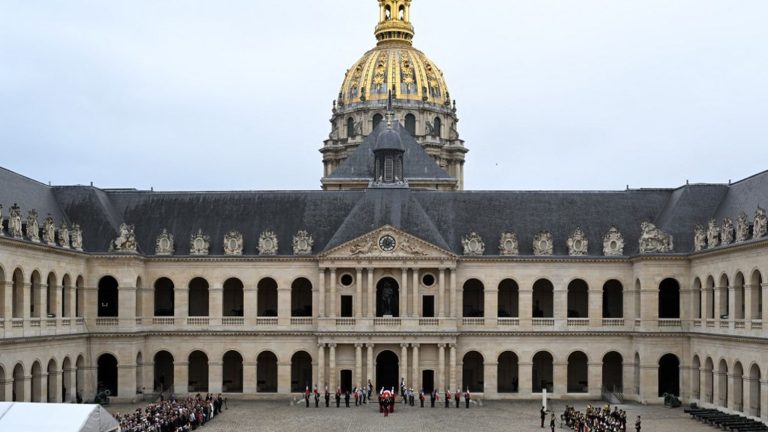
[(333, 300), (321, 381), (54, 387), (404, 363), (440, 379), (416, 369), (284, 377), (215, 376), (370, 368), (490, 379), (358, 380), (181, 302), (320, 293), (595, 310), (404, 294), (415, 294), (249, 377), (452, 367), (560, 378), (359, 293), (371, 312), (180, 377), (595, 379), (332, 373), (525, 378)]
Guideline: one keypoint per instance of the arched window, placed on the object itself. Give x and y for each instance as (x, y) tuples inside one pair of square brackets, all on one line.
[(578, 299), (301, 298), (376, 120), (198, 297), (542, 372), (507, 381), (388, 12), (508, 299), (106, 373), (164, 370), (401, 13), (35, 306), (723, 298), (613, 372), (267, 297), (232, 306), (410, 124), (164, 297), (578, 373), (266, 372), (350, 127), (107, 306), (474, 298), (613, 299), (437, 127), (232, 372), (543, 299), (472, 372), (669, 375), (669, 299), (301, 371)]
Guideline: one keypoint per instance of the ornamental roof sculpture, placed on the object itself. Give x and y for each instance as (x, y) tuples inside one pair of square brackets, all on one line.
[(726, 232), (164, 245), (543, 245), (76, 238), (742, 228), (578, 245), (699, 238), (473, 244), (14, 222), (268, 243), (302, 243), (64, 240), (49, 231), (654, 240), (613, 243), (713, 234), (509, 245), (33, 229), (125, 241), (760, 227), (199, 244), (233, 243)]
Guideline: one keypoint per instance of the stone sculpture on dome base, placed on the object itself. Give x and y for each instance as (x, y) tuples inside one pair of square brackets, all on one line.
[(199, 244), (699, 238), (726, 232), (578, 245), (164, 245), (543, 244), (64, 239), (49, 231), (14, 222), (302, 243), (76, 238), (33, 229), (126, 241), (508, 245), (742, 228), (654, 240), (473, 244), (233, 243), (613, 243), (760, 225), (268, 243), (713, 234)]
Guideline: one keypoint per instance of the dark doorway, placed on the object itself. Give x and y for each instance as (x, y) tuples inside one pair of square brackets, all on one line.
[(301, 371), (164, 297), (613, 372), (428, 307), (266, 373), (267, 297), (474, 299), (107, 297), (508, 373), (473, 372), (428, 380), (198, 297), (163, 371), (301, 298), (387, 367), (388, 299), (669, 299), (346, 380), (346, 306), (669, 375), (232, 372), (106, 374)]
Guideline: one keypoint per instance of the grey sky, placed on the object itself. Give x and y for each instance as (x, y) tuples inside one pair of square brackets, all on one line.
[(212, 95)]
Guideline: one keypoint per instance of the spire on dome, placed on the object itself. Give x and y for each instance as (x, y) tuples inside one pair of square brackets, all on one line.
[(394, 22), (390, 111)]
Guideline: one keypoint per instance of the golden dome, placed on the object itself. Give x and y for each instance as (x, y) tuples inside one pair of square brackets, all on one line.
[(394, 65)]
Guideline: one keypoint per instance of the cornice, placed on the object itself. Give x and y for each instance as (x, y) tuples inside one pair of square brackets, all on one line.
[(41, 247), (733, 247)]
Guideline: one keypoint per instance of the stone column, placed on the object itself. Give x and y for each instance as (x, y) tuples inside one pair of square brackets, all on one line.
[(284, 303), (416, 376), (706, 305), (454, 307), (491, 305), (764, 395), (249, 377), (321, 293), (359, 294), (6, 388), (524, 378), (404, 363), (284, 377), (560, 305), (42, 306), (332, 375), (490, 379), (358, 365), (333, 300), (26, 298), (371, 312), (56, 303), (43, 380), (560, 378), (440, 382), (55, 379), (441, 293), (216, 309), (404, 293), (765, 312), (215, 376), (370, 369), (747, 305), (415, 294), (452, 367), (70, 390), (321, 366), (127, 303), (180, 377), (649, 382), (525, 305)]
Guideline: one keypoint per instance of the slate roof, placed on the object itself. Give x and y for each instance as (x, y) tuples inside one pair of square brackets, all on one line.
[(417, 164), (334, 217)]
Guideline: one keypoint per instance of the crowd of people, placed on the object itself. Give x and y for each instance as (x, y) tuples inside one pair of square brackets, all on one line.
[(595, 419), (172, 415)]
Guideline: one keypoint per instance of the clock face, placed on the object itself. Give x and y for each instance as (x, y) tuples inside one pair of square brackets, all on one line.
[(387, 243)]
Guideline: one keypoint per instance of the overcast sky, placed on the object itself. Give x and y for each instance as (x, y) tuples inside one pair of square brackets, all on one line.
[(236, 94)]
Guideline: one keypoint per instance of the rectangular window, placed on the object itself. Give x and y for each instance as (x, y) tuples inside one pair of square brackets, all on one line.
[(428, 307), (389, 169), (346, 306)]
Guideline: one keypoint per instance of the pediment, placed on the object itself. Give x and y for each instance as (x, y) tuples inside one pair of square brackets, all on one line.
[(388, 243)]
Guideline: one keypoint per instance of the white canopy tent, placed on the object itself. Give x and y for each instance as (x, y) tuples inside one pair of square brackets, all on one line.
[(46, 417)]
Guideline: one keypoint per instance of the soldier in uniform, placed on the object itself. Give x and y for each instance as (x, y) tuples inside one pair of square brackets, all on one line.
[(306, 396), (447, 397), (552, 422), (317, 397), (327, 397), (422, 397), (432, 397), (457, 396), (467, 397), (543, 414), (338, 397), (346, 398), (638, 424)]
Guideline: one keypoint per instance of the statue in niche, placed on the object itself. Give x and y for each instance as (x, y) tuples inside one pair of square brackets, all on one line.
[(654, 240), (726, 232), (302, 243), (49, 231), (233, 243), (699, 238), (473, 244), (126, 241), (613, 243), (77, 238), (64, 236), (543, 244), (199, 243), (713, 234), (760, 225), (164, 244), (268, 243), (508, 245), (430, 128), (387, 297), (742, 228), (33, 229), (14, 222), (577, 243)]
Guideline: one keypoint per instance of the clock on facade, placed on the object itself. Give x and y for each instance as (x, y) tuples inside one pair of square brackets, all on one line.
[(387, 243)]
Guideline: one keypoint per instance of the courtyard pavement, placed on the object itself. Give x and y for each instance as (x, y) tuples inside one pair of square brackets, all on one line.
[(267, 416)]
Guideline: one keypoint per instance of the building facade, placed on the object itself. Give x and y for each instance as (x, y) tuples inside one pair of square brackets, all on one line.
[(392, 273)]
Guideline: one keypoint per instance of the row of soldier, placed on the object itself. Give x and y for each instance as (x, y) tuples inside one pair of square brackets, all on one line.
[(595, 419), (67, 237)]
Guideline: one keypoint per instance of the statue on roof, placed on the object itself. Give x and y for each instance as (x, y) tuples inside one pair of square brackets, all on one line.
[(726, 232), (742, 228), (761, 224), (613, 243), (64, 236), (126, 241), (49, 231), (713, 234), (33, 229), (654, 240), (14, 222), (699, 238), (76, 237)]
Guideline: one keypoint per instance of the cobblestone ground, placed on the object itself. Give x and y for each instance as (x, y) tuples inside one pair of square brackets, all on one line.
[(262, 416)]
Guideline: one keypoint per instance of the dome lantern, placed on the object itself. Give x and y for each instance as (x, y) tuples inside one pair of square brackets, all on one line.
[(394, 22)]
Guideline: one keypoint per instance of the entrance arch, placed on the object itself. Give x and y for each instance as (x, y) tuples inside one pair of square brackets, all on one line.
[(472, 372), (542, 372), (669, 375), (197, 376), (266, 372), (508, 371), (613, 372), (163, 371), (106, 373), (387, 369), (578, 373), (388, 299), (301, 371), (232, 372), (18, 383)]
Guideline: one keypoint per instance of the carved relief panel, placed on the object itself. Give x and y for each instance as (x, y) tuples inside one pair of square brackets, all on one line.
[(164, 245), (268, 243), (199, 244), (654, 240), (233, 243), (302, 243)]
